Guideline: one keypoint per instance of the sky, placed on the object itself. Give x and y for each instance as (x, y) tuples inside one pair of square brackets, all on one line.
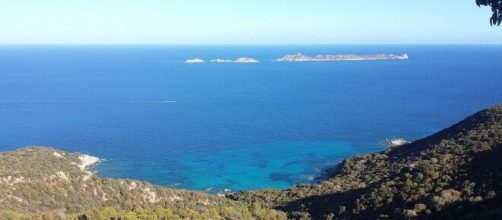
[(245, 22)]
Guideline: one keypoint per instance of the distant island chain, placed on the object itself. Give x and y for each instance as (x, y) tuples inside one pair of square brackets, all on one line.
[(238, 60), (299, 57)]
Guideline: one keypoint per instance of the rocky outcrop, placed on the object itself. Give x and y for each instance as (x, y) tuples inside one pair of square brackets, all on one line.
[(196, 60), (323, 58)]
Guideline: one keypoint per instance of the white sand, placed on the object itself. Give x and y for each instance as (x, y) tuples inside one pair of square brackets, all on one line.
[(87, 161)]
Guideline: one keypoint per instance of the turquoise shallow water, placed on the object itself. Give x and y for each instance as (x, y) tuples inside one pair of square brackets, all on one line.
[(275, 165), (235, 126)]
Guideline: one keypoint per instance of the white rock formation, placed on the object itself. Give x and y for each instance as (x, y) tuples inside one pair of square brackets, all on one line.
[(87, 161), (196, 60), (396, 142), (304, 58), (221, 61), (246, 60), (62, 175)]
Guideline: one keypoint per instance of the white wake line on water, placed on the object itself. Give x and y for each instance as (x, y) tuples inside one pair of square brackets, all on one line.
[(145, 101), (92, 101)]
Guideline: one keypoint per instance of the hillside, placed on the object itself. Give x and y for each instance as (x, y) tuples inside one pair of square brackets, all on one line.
[(44, 182), (453, 174)]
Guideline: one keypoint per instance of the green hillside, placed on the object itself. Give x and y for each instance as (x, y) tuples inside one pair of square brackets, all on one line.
[(40, 181), (453, 174)]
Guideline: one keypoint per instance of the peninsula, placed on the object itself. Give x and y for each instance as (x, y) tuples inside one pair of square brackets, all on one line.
[(238, 60), (299, 57), (452, 174), (449, 175)]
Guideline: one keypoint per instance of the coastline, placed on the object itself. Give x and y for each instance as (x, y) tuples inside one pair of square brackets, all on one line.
[(355, 187), (272, 176)]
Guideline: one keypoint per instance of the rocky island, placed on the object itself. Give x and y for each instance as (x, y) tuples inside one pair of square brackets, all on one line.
[(452, 174), (324, 58), (246, 60), (221, 61), (196, 60), (238, 60)]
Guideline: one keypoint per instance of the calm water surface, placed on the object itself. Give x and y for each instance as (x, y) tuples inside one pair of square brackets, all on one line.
[(237, 126)]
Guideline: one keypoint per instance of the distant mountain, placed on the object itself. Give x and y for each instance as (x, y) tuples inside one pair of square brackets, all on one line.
[(453, 174), (323, 58)]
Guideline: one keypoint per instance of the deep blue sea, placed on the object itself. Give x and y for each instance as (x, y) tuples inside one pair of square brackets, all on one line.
[(235, 126)]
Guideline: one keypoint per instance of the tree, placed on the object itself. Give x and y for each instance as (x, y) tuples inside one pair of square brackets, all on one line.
[(496, 6)]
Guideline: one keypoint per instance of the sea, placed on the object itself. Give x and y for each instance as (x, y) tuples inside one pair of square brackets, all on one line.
[(235, 126)]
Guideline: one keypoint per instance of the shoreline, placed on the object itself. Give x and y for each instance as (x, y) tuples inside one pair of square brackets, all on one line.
[(355, 187), (89, 165)]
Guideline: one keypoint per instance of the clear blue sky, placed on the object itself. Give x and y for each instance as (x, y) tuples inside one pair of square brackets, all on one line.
[(244, 22)]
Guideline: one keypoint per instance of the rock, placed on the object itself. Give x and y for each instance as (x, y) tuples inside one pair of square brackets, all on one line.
[(221, 61), (246, 60), (299, 57), (196, 60), (396, 142)]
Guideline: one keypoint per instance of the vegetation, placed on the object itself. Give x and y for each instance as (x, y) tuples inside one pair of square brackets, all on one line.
[(453, 174), (44, 183), (496, 6), (218, 213)]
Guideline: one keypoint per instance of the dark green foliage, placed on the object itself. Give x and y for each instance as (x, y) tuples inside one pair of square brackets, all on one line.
[(496, 6), (452, 174)]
